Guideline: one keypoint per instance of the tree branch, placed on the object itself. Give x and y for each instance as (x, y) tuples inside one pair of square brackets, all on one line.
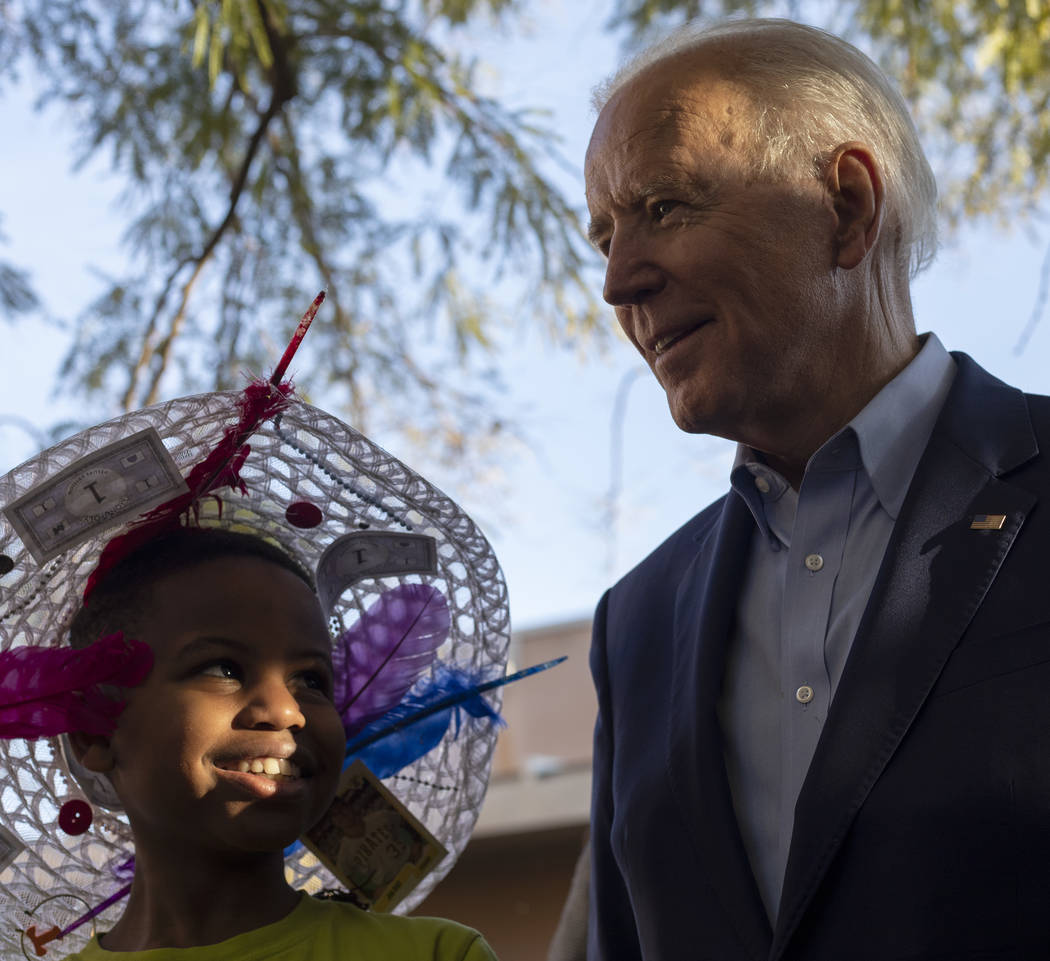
[(146, 354), (302, 210), (282, 90)]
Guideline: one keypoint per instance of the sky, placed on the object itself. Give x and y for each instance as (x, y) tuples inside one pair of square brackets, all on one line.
[(548, 518)]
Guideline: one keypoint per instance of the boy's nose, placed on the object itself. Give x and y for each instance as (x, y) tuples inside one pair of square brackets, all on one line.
[(272, 707)]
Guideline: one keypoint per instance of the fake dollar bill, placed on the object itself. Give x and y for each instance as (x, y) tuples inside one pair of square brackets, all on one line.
[(371, 843), (114, 484)]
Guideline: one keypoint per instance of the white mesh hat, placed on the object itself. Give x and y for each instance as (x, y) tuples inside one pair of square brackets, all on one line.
[(355, 515)]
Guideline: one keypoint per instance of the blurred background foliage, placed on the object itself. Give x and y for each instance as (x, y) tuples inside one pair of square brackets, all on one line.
[(977, 73), (271, 147)]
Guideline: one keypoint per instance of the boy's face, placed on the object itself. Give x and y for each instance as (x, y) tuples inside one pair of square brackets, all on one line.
[(242, 673)]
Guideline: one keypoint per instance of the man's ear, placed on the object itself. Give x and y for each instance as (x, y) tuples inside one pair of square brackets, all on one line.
[(93, 751), (854, 184)]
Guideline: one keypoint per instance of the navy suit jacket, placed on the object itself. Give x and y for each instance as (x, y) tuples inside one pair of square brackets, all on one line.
[(922, 830)]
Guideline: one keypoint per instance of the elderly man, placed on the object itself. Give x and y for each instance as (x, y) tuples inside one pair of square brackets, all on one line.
[(824, 703)]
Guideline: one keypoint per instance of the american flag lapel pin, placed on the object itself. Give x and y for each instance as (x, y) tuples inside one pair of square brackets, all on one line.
[(987, 522)]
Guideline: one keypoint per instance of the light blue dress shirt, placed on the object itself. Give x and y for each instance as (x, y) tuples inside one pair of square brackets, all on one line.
[(814, 556)]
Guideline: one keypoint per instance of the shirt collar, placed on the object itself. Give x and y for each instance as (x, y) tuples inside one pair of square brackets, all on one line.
[(894, 428), (762, 488), (891, 433)]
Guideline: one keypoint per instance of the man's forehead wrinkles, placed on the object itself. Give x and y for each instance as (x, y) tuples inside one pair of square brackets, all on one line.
[(676, 135), (671, 179), (661, 128), (690, 115), (648, 146), (648, 183)]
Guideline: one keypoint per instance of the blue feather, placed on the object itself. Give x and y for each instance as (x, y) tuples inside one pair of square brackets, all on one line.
[(417, 725), (411, 732)]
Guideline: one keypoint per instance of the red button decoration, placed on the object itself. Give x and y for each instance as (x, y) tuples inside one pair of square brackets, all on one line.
[(303, 514), (74, 817)]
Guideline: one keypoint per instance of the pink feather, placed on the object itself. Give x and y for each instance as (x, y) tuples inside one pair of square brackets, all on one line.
[(381, 656), (46, 691)]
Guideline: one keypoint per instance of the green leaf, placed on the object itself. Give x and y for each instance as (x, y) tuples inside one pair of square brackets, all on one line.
[(214, 57), (201, 24)]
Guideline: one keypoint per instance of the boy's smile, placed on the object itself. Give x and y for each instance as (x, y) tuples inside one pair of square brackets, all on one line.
[(233, 742), (280, 772)]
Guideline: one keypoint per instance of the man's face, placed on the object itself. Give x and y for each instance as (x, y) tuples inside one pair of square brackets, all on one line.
[(726, 287), (242, 673)]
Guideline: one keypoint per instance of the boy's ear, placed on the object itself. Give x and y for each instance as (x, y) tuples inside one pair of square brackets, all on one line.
[(93, 751)]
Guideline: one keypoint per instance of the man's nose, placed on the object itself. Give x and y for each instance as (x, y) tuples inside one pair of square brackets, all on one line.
[(631, 272), (272, 706)]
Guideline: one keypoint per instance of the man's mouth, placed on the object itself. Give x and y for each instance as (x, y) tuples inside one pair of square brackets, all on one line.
[(275, 768), (664, 344)]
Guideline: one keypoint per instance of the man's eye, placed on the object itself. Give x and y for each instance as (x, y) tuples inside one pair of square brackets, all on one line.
[(661, 208), (228, 670)]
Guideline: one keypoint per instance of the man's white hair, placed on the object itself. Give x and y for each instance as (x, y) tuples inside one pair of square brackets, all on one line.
[(812, 91)]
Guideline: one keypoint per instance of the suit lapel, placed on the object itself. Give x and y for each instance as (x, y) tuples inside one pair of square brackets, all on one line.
[(704, 612), (933, 578)]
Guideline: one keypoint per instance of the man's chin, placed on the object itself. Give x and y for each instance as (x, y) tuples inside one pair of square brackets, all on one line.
[(691, 416)]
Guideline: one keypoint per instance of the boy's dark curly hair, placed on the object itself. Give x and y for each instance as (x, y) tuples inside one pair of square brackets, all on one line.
[(116, 604)]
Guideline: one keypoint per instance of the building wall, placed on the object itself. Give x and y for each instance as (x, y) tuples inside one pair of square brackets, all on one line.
[(549, 716), (511, 888), (511, 881)]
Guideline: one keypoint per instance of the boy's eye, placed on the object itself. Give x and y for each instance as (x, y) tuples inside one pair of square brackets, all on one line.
[(316, 681), (228, 670)]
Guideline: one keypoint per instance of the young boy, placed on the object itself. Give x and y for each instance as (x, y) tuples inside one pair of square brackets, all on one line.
[(227, 753), (230, 745)]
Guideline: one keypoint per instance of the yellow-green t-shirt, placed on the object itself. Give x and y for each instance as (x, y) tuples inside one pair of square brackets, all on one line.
[(325, 931)]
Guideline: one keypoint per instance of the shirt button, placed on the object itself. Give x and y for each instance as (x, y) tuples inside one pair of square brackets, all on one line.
[(804, 694), (762, 484), (814, 562)]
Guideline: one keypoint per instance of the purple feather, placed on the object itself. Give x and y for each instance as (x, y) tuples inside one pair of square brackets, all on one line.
[(378, 659)]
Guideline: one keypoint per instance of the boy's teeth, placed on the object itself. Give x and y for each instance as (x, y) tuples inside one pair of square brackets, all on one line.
[(269, 766)]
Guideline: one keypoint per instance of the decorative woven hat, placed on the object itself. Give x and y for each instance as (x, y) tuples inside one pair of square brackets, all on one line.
[(362, 520)]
